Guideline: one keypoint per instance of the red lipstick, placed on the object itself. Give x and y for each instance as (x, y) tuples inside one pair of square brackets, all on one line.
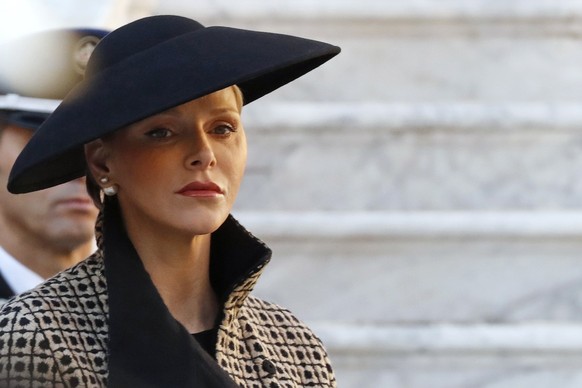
[(200, 189)]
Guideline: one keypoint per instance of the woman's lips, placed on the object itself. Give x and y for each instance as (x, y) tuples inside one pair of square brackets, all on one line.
[(201, 189)]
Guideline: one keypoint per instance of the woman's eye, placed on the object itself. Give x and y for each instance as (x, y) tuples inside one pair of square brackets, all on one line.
[(223, 129), (159, 133)]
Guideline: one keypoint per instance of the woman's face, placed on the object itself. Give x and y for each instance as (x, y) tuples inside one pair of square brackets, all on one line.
[(179, 170)]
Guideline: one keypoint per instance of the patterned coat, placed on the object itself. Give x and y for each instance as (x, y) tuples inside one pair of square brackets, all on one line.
[(103, 323)]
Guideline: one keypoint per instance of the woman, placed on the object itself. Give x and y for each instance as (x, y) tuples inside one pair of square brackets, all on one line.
[(164, 302)]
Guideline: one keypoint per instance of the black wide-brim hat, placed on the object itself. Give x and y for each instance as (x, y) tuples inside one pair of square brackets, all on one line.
[(147, 67)]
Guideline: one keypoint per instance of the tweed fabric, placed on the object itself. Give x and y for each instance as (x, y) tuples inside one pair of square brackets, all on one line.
[(57, 335)]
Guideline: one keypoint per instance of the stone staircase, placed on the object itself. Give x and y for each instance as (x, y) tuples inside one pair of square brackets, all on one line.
[(421, 191)]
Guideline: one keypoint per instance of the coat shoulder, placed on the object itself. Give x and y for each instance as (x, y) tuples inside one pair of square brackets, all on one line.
[(273, 315), (64, 313)]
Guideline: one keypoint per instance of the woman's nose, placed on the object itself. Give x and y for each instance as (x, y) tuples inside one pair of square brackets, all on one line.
[(201, 154)]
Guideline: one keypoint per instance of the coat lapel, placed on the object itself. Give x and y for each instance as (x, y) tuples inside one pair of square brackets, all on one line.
[(147, 346)]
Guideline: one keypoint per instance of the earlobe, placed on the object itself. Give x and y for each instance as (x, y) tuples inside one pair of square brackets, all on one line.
[(96, 155)]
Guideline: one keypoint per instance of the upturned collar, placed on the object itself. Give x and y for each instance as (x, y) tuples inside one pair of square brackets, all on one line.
[(147, 346)]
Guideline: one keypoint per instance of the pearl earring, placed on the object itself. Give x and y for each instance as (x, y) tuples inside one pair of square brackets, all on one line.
[(110, 190)]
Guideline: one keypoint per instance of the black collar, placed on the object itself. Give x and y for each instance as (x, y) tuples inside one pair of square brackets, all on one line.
[(147, 346)]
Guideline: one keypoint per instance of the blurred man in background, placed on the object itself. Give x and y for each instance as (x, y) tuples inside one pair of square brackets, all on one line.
[(44, 232)]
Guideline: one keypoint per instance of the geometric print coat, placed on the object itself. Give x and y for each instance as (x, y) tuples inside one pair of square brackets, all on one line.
[(103, 323)]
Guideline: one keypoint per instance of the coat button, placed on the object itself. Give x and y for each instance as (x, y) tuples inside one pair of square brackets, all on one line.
[(269, 367)]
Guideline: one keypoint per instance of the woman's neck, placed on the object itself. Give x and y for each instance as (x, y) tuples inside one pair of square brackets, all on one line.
[(179, 268)]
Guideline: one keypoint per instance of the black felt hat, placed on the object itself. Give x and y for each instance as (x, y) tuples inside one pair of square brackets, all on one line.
[(149, 66), (39, 69)]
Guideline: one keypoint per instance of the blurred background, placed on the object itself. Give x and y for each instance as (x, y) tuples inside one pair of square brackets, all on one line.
[(421, 191)]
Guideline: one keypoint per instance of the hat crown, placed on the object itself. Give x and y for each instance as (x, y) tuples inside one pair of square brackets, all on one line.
[(136, 37)]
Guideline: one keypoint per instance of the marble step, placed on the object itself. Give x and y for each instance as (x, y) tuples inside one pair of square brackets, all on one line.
[(426, 50), (532, 355), (382, 156), (477, 299), (423, 267), (340, 11), (433, 299)]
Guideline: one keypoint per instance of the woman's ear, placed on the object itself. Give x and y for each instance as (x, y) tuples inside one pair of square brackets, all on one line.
[(97, 154)]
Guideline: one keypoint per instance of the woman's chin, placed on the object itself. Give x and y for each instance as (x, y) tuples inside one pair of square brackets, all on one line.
[(201, 224)]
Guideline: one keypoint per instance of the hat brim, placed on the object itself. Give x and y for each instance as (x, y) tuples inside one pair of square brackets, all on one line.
[(177, 72)]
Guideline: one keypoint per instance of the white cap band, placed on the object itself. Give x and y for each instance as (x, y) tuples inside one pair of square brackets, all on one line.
[(16, 102)]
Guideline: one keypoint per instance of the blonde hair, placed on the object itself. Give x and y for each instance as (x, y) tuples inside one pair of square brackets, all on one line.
[(239, 97)]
